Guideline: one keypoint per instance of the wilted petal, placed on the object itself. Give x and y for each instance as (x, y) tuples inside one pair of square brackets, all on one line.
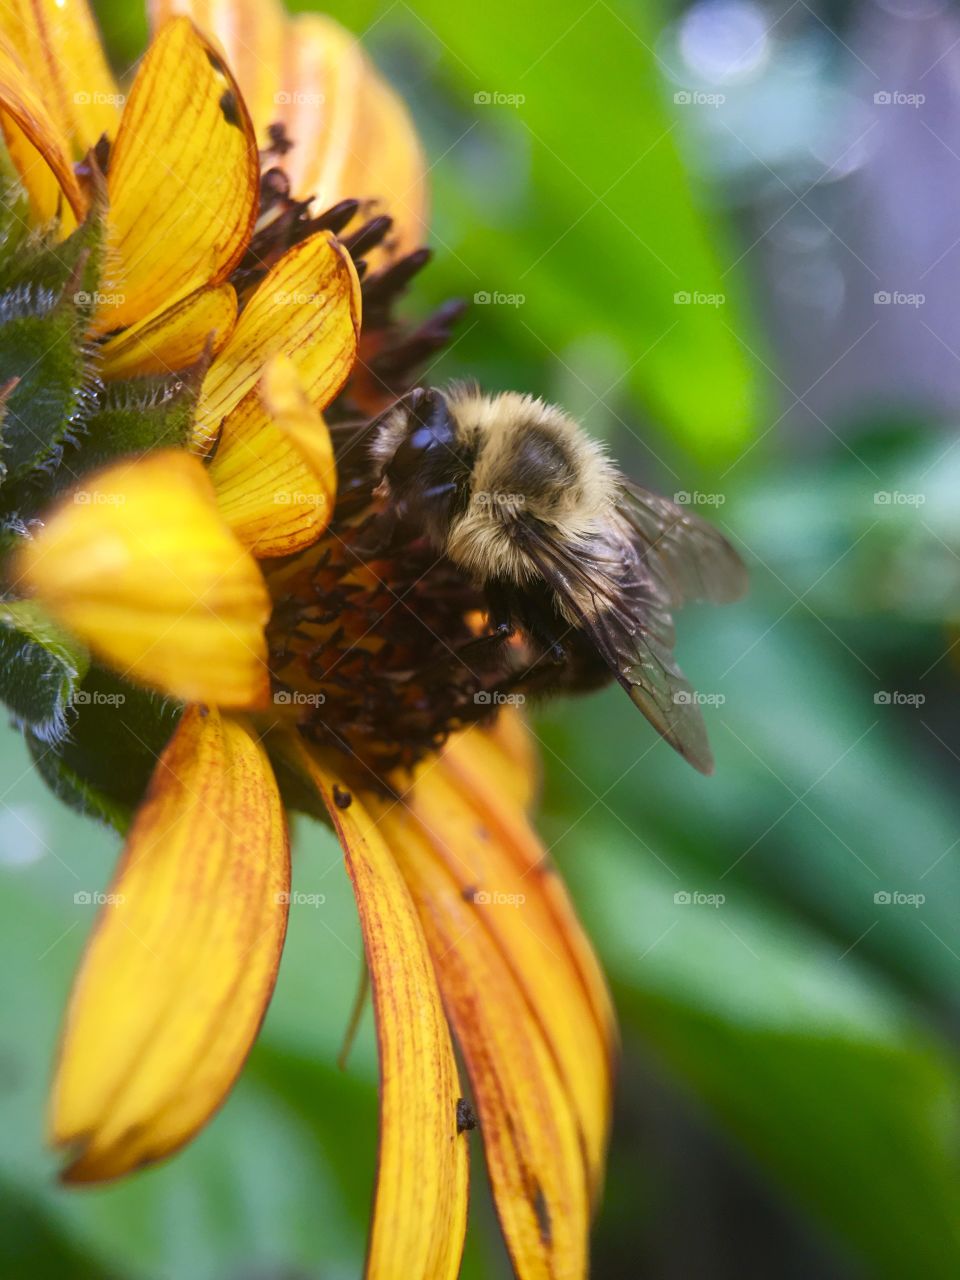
[(139, 564), (183, 182), (273, 469), (58, 40), (421, 1198), (184, 956), (307, 307), (38, 147), (175, 337)]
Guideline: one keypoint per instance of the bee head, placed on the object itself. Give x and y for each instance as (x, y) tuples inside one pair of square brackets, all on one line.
[(424, 466)]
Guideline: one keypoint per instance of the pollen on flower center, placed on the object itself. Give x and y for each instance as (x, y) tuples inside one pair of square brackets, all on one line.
[(380, 656)]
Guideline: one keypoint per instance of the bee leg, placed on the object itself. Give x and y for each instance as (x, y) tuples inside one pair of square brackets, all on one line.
[(483, 647)]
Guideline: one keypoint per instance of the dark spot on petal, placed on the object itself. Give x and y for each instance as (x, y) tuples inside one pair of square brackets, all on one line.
[(468, 892), (229, 108), (466, 1116), (216, 62), (541, 1209), (341, 797)]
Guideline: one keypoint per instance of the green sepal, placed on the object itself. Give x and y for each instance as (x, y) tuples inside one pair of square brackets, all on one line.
[(136, 415), (15, 213), (41, 667), (70, 268), (48, 292), (117, 732), (42, 352)]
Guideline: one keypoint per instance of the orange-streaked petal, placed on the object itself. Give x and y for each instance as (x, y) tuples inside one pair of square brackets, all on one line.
[(36, 144), (531, 1135), (352, 135), (307, 307), (487, 763), (272, 489), (184, 179), (183, 960), (421, 1199), (175, 337), (58, 40), (484, 842), (251, 34), (139, 564)]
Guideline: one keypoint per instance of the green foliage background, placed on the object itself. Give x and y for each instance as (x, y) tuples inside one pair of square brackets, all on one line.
[(797, 1042)]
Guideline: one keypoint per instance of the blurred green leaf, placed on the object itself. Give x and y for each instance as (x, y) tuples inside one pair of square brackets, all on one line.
[(812, 1062), (603, 231)]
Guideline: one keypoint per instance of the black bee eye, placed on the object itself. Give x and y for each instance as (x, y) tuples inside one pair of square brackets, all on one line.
[(430, 433)]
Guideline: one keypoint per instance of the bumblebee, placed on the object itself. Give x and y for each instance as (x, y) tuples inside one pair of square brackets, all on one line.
[(585, 566)]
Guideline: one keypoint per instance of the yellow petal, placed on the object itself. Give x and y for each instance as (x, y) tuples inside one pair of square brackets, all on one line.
[(273, 490), (421, 1197), (37, 146), (251, 34), (184, 956), (138, 563), (531, 1133), (175, 337), (183, 181), (484, 844), (352, 135), (307, 307), (287, 400), (58, 40)]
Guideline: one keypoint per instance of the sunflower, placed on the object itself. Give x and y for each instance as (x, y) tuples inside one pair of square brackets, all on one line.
[(183, 273)]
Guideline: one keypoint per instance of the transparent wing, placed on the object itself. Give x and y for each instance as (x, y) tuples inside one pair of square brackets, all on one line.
[(688, 556)]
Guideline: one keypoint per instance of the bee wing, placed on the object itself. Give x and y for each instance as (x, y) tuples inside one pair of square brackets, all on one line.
[(691, 559), (612, 596)]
